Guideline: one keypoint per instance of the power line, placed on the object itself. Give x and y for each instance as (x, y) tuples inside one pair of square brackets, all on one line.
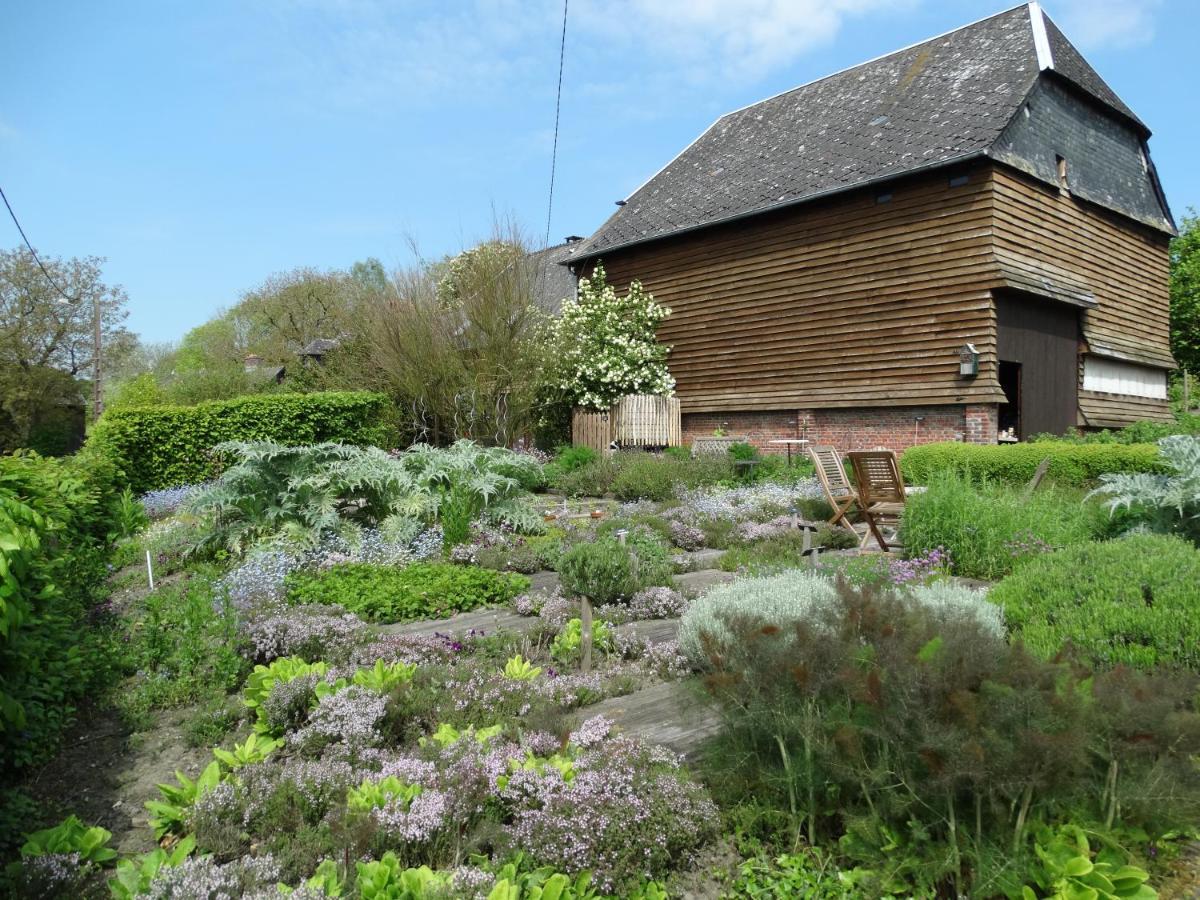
[(36, 258), (562, 55)]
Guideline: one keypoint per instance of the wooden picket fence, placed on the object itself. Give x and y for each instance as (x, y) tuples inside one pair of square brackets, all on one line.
[(637, 420)]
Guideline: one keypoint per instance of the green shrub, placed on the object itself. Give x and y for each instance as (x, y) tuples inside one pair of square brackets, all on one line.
[(421, 591), (988, 529), (912, 742), (1070, 463), (1137, 433), (783, 551), (569, 458), (593, 479), (59, 519), (182, 642), (605, 571), (649, 478), (1129, 601), (164, 446)]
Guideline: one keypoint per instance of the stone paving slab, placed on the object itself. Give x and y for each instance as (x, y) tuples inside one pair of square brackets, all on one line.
[(668, 713), (656, 631), (693, 584), (486, 620)]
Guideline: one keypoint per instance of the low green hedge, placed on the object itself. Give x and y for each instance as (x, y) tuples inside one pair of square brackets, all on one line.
[(421, 591), (1076, 464), (1130, 601), (165, 446)]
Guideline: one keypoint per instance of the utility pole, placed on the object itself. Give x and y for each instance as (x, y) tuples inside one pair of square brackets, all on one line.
[(97, 402)]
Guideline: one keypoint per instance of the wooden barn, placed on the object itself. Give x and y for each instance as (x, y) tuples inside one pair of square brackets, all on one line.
[(960, 239)]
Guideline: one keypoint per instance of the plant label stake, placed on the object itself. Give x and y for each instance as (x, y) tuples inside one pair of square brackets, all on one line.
[(585, 635), (149, 570)]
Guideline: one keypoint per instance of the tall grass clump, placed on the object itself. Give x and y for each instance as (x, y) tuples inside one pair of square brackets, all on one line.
[(989, 528)]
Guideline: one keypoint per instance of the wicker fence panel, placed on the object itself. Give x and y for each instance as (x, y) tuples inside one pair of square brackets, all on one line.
[(591, 428), (646, 420)]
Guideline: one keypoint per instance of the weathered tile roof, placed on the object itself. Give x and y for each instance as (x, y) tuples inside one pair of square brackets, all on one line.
[(553, 281), (946, 99)]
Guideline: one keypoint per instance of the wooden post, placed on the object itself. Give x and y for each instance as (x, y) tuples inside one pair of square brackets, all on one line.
[(585, 636), (1038, 475)]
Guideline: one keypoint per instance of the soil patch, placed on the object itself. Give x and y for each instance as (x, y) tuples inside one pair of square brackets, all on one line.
[(105, 774)]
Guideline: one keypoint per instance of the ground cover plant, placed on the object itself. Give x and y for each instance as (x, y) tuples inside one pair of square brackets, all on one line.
[(1130, 601), (924, 753), (989, 528), (419, 591)]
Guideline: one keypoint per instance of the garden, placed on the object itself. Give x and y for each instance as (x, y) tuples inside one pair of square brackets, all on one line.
[(248, 648), (469, 671)]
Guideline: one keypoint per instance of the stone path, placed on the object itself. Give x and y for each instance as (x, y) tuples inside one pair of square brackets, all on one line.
[(487, 620), (668, 713)]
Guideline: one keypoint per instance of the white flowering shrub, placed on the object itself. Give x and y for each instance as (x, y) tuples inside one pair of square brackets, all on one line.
[(608, 346)]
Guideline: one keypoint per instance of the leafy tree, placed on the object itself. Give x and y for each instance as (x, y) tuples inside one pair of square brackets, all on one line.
[(1185, 295), (43, 335)]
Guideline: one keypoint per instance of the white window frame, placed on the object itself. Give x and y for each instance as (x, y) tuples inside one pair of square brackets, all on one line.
[(1116, 376)]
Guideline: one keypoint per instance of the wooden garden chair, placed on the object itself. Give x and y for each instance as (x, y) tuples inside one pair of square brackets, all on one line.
[(839, 492), (880, 492)]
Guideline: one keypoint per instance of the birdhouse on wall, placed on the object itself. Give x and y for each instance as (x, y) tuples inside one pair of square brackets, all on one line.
[(968, 361)]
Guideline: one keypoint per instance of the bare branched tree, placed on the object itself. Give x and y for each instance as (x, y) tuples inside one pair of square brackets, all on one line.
[(460, 343)]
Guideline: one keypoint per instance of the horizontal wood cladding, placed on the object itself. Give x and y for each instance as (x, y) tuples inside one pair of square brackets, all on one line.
[(1099, 410), (840, 303), (1125, 264)]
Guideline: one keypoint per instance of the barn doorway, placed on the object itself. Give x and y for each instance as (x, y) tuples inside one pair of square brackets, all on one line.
[(1010, 409), (1039, 338)]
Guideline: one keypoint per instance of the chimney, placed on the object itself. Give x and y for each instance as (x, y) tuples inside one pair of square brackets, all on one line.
[(253, 361)]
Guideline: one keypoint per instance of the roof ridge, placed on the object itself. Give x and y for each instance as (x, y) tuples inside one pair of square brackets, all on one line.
[(881, 56), (826, 77)]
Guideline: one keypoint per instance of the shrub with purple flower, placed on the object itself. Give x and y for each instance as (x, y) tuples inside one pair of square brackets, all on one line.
[(628, 813), (923, 569), (311, 632), (685, 536)]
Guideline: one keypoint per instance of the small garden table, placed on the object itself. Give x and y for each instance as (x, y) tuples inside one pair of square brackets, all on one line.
[(798, 442)]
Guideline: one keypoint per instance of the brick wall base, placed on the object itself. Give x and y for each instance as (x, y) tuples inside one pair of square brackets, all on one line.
[(895, 427)]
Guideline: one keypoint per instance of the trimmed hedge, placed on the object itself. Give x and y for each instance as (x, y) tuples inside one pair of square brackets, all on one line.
[(1130, 601), (1075, 464), (164, 446), (58, 521)]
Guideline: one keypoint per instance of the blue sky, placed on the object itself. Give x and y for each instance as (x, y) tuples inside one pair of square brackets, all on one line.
[(201, 146)]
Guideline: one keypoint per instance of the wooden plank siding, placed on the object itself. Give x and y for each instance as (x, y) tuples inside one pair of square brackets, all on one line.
[(847, 302), (840, 303), (1124, 263)]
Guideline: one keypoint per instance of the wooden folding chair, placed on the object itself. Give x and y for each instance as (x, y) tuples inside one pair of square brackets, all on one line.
[(838, 491), (880, 492)]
